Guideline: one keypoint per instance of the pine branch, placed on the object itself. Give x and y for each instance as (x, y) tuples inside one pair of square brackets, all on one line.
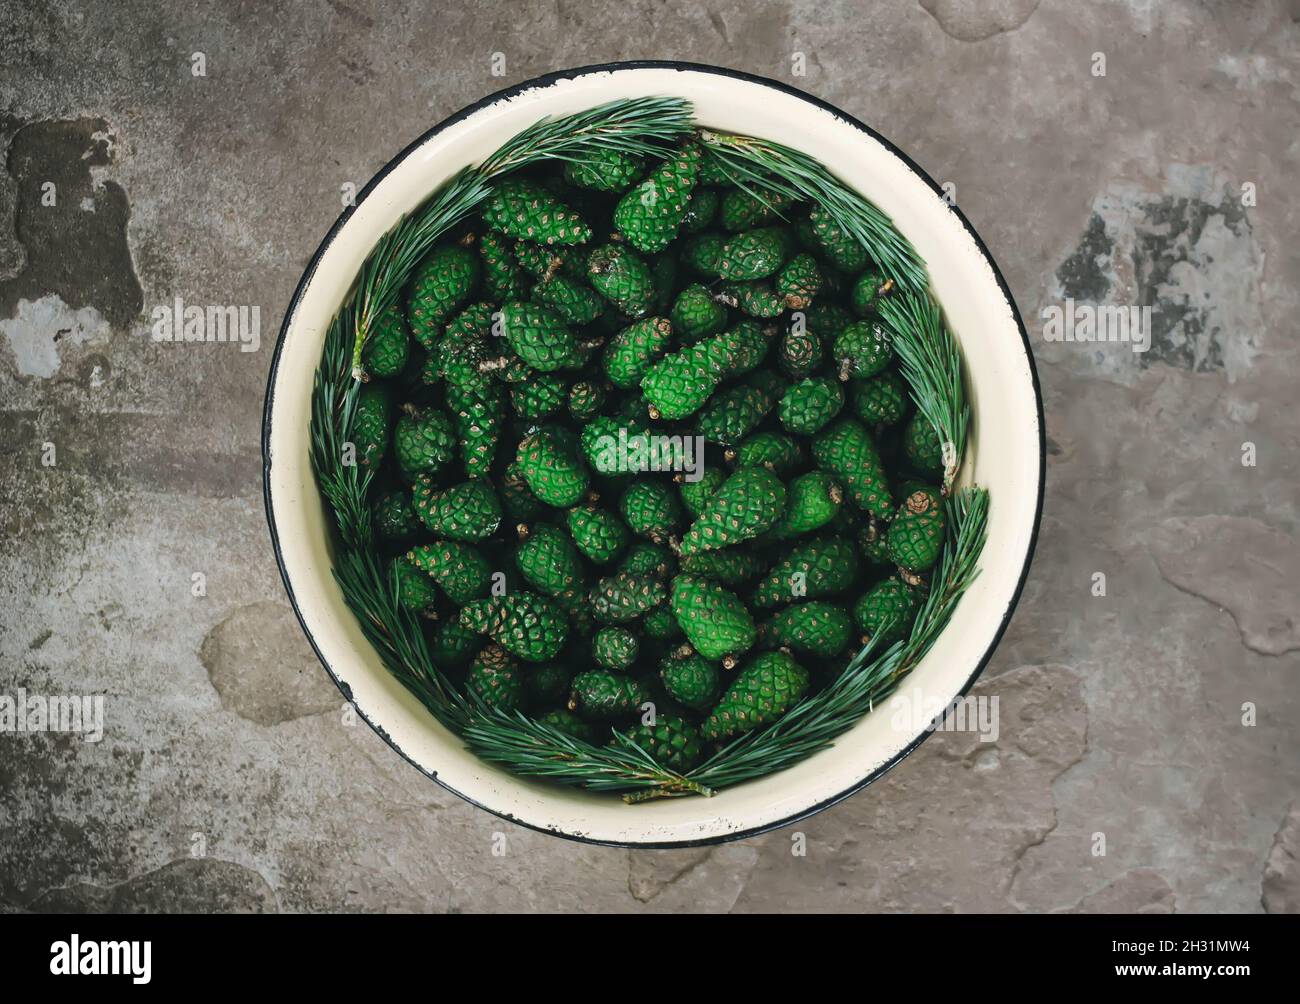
[(534, 749), (757, 164), (930, 360)]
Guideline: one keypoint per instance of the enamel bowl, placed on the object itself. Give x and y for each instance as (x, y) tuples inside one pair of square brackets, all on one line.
[(1005, 453)]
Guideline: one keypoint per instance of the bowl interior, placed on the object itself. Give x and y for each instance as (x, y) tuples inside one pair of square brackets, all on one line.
[(1004, 453)]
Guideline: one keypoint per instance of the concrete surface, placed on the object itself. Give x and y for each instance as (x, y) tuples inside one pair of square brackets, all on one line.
[(228, 779)]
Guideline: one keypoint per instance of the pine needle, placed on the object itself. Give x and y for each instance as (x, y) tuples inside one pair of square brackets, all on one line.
[(755, 164), (930, 360)]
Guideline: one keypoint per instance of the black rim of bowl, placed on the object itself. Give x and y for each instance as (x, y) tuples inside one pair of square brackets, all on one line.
[(548, 80)]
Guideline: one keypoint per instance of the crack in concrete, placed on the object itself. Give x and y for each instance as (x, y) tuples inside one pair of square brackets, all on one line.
[(1056, 814), (648, 887)]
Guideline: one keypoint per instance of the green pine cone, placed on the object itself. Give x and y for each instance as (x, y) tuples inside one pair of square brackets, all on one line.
[(548, 560), (650, 214), (564, 721), (554, 471), (799, 353), (845, 449), (916, 534), (453, 644), (415, 590), (459, 569), (873, 542), (817, 628), (529, 212), (740, 349), (775, 451), (614, 648), (679, 384), (388, 345), (887, 609), (477, 411), (424, 442), (754, 254), (543, 262), (540, 397), (645, 558), (575, 301), (810, 404), (651, 510), (696, 314), (372, 424), (661, 625), (443, 283), (799, 281), (748, 503), (518, 503), (602, 696), (762, 692), (733, 414), (394, 519), (713, 619), (456, 356), (732, 566), (468, 511), (812, 501), (691, 680), (703, 252), (540, 337), (598, 534), (671, 741), (574, 604), (745, 210), (827, 320), (810, 570), (841, 248), (862, 350), (880, 400), (757, 298), (621, 597), (702, 211), (604, 170), (497, 679), (921, 446), (867, 291), (631, 353), (586, 398), (526, 625), (623, 278), (502, 277), (695, 494)]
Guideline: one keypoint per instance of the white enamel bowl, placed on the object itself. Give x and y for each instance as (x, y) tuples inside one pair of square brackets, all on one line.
[(1006, 449)]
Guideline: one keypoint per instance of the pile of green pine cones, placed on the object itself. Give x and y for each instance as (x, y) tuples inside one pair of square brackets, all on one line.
[(614, 301)]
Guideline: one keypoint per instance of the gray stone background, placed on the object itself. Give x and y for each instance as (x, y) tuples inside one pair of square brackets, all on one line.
[(1121, 714)]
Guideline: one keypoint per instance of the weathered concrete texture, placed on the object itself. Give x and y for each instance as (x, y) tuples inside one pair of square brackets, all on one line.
[(1148, 756)]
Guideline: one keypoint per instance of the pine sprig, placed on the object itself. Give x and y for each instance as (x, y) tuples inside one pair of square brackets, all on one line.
[(930, 360), (644, 127), (534, 749), (757, 164)]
